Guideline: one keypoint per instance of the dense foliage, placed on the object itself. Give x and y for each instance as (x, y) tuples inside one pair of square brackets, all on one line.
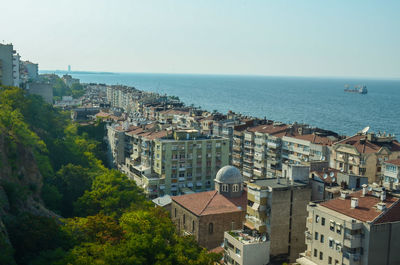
[(105, 216)]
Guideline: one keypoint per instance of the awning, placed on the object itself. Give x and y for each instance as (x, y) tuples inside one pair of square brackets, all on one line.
[(190, 184), (255, 206)]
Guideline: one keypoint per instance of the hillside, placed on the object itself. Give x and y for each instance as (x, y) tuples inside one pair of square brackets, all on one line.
[(60, 205)]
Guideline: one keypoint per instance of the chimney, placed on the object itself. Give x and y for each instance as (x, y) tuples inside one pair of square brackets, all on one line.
[(354, 203), (344, 194), (381, 206), (383, 195), (364, 189)]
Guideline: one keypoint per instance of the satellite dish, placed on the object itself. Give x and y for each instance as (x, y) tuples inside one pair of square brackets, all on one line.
[(332, 174), (333, 179), (370, 188), (325, 176), (264, 238), (365, 130)]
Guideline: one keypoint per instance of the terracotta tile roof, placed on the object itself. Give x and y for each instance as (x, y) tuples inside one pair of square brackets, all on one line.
[(156, 135), (209, 202), (366, 146), (102, 114), (392, 215), (268, 128), (366, 210), (315, 139), (217, 250), (394, 162)]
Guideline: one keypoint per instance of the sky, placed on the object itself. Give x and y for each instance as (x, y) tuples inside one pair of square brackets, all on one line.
[(358, 38)]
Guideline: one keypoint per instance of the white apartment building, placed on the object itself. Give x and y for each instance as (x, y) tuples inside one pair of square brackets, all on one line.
[(358, 228)]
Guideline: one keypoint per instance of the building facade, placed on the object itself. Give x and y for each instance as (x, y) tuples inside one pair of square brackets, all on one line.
[(188, 159), (364, 154), (207, 215), (358, 228)]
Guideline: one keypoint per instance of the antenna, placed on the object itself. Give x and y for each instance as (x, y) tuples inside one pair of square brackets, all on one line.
[(365, 130)]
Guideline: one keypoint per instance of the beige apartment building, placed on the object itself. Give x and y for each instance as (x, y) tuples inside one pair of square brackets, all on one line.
[(187, 161), (275, 220), (391, 174), (364, 154), (302, 149), (358, 228), (258, 150)]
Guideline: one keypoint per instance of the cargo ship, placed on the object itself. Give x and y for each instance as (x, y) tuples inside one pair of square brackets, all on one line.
[(360, 89)]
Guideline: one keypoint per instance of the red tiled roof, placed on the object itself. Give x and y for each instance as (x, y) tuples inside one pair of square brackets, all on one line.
[(156, 135), (366, 146), (366, 210), (210, 202), (217, 250), (269, 128), (394, 162), (315, 139)]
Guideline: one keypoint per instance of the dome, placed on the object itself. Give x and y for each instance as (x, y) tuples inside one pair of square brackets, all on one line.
[(229, 175)]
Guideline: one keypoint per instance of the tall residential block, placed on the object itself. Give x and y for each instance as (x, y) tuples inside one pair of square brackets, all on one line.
[(6, 64), (358, 228), (187, 159)]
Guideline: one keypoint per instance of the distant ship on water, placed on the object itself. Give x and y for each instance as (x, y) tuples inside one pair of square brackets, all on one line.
[(360, 89)]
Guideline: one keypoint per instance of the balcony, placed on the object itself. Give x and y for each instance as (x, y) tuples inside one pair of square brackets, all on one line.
[(353, 258), (352, 241), (272, 144), (252, 221)]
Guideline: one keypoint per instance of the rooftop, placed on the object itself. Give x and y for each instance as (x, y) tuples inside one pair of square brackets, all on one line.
[(275, 183), (269, 128), (315, 139), (211, 202), (366, 144), (366, 210), (394, 162)]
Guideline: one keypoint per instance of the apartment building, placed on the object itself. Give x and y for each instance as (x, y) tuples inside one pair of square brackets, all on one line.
[(6, 64), (207, 215), (364, 154), (358, 228), (187, 160), (261, 150), (275, 220), (302, 149), (391, 173)]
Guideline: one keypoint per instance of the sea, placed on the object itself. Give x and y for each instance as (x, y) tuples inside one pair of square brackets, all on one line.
[(319, 102)]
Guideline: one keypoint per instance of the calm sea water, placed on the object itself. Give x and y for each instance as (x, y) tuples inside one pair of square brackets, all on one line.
[(317, 101)]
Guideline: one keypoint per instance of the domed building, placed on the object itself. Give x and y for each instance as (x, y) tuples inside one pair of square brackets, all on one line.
[(229, 182), (207, 215)]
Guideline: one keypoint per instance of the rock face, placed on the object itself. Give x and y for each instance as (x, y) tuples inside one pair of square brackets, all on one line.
[(20, 185)]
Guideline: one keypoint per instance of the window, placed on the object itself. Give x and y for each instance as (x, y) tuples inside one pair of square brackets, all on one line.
[(321, 238), (317, 219), (332, 226), (316, 236), (193, 226), (321, 255), (315, 252), (336, 262), (238, 252), (210, 228), (339, 229), (225, 187), (235, 187), (329, 260), (175, 212), (323, 221), (330, 242)]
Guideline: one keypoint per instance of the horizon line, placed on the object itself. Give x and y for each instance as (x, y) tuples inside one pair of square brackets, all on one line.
[(227, 74)]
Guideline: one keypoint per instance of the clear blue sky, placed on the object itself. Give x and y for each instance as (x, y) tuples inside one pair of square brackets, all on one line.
[(296, 38)]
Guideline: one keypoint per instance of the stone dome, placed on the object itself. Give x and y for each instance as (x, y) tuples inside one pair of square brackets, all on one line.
[(229, 175)]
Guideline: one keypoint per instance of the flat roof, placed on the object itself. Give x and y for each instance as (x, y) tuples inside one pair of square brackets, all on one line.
[(274, 184)]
